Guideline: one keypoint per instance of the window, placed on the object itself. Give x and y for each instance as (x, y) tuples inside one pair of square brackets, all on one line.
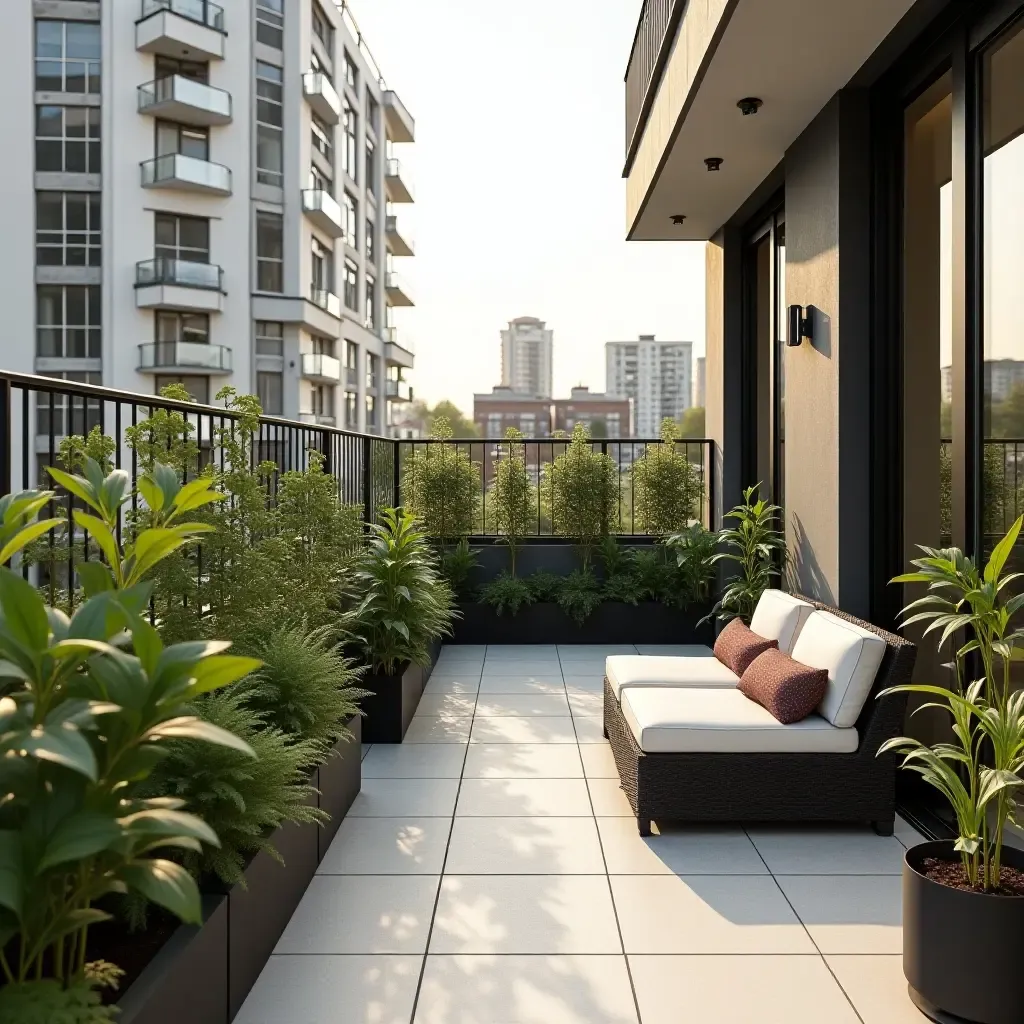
[(371, 243), (322, 28), (319, 180), (269, 124), (197, 387), (351, 355), (371, 304), (351, 71), (67, 56), (270, 390), (68, 139), (269, 338), (68, 229), (180, 138), (351, 410), (322, 397), (494, 423), (322, 137), (349, 215), (269, 252), (191, 328), (371, 167), (351, 296), (348, 153), (372, 370), (270, 23), (372, 113), (181, 238), (67, 414), (371, 411), (323, 266), (164, 67), (322, 346), (68, 321)]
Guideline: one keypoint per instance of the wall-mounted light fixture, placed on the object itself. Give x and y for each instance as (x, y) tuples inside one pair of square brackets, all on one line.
[(800, 325), (713, 163), (678, 218), (749, 105)]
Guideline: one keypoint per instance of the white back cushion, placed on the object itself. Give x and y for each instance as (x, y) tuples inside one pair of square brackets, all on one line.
[(780, 616), (851, 656)]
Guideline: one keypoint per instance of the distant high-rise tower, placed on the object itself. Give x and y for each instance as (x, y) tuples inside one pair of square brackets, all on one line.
[(526, 357), (698, 384), (657, 375)]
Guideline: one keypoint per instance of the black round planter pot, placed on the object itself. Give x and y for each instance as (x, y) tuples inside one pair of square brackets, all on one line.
[(963, 952)]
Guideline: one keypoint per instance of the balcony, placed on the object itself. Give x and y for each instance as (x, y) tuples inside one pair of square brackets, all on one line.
[(321, 96), (398, 349), (397, 239), (399, 122), (184, 357), (397, 182), (396, 290), (186, 174), (181, 99), (164, 283), (322, 368), (183, 29), (398, 390), (323, 210), (317, 418), (326, 300)]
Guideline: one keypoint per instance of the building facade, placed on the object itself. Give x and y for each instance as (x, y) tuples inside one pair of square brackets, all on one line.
[(526, 357), (503, 408), (601, 414), (206, 194), (656, 375), (698, 383)]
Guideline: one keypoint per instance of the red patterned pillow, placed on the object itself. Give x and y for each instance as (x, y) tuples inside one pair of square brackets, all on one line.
[(785, 688), (737, 646)]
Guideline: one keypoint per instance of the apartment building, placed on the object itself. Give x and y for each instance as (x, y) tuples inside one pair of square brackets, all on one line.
[(656, 375), (526, 357), (601, 414), (503, 407), (208, 195)]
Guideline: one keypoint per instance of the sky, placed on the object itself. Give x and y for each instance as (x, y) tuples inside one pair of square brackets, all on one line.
[(520, 203)]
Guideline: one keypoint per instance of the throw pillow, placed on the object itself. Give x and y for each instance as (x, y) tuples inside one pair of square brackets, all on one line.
[(786, 689), (738, 645)]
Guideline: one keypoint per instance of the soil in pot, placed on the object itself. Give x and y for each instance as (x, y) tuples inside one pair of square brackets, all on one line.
[(951, 874), (114, 942)]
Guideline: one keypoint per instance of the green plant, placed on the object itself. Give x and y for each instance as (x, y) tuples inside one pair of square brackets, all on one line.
[(544, 585), (581, 490), (506, 591), (49, 1002), (579, 594), (442, 486), (513, 496), (757, 547), (406, 604), (694, 549), (666, 485), (977, 772), (457, 564)]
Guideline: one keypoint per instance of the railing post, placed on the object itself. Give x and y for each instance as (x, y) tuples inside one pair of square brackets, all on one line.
[(367, 482), (6, 437), (396, 482)]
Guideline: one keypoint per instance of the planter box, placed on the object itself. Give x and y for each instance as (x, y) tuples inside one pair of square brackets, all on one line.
[(435, 653), (188, 979), (611, 623), (339, 779), (393, 699)]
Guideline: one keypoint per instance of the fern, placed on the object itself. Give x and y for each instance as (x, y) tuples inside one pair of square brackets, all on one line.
[(506, 591), (48, 1002), (544, 585), (579, 594), (456, 566)]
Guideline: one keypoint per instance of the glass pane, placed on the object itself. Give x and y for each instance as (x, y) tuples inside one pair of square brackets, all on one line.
[(49, 76), (49, 216), (76, 207), (49, 36), (48, 121), (83, 39)]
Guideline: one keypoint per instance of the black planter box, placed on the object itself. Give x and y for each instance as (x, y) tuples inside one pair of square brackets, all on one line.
[(962, 951), (393, 699), (339, 779), (188, 979), (610, 623)]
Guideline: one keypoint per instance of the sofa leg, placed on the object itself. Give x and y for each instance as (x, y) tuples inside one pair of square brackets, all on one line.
[(604, 730), (644, 825), (884, 828)]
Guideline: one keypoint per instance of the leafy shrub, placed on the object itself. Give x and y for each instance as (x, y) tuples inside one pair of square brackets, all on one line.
[(666, 485), (544, 585), (49, 1002), (579, 594), (456, 565), (506, 591), (513, 497), (694, 549), (442, 486)]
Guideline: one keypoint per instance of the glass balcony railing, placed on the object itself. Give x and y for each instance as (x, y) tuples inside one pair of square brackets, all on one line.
[(397, 181), (322, 96), (184, 273), (326, 300), (176, 170), (184, 355), (321, 366), (185, 97), (398, 390), (323, 209), (200, 11), (392, 336), (321, 419), (351, 378)]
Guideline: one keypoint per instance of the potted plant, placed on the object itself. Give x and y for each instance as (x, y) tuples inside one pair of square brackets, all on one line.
[(963, 899)]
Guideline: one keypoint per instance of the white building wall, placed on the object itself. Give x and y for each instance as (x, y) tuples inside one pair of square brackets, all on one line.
[(527, 349), (656, 375)]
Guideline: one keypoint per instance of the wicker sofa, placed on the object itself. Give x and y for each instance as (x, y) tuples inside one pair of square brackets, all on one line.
[(789, 786)]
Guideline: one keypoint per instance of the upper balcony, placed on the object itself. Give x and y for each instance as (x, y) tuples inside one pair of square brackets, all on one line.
[(398, 239), (397, 182), (319, 419), (398, 121), (396, 290), (398, 390), (326, 300), (323, 210), (187, 174), (184, 29), (398, 348), (186, 101), (184, 357), (321, 96), (317, 366), (165, 283)]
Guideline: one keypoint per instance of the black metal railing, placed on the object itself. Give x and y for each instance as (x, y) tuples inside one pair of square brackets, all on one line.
[(1002, 486)]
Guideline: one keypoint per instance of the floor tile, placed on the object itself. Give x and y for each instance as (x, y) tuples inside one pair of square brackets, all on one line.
[(583, 666), (437, 729), (676, 650), (507, 798), (396, 798), (706, 914), (526, 989), (589, 729), (365, 749), (608, 800), (828, 851), (523, 730), (523, 761), (698, 851), (498, 651), (462, 684), (419, 761), (362, 914), (598, 762), (534, 682), (849, 913), (524, 914), (907, 834), (387, 846), (524, 846), (877, 988), (585, 702), (570, 652), (373, 990), (446, 705), (522, 705), (738, 990), (584, 684)]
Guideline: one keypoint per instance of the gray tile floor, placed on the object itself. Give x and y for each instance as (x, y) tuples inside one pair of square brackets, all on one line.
[(490, 872)]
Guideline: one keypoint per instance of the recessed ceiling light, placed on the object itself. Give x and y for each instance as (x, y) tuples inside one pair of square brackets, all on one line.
[(713, 163), (749, 105), (678, 218)]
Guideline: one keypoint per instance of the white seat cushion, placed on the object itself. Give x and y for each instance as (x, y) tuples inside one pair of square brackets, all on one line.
[(780, 616), (723, 721), (701, 668), (850, 654)]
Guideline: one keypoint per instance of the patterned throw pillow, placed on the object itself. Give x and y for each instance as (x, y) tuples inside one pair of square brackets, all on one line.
[(737, 646), (786, 689)]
